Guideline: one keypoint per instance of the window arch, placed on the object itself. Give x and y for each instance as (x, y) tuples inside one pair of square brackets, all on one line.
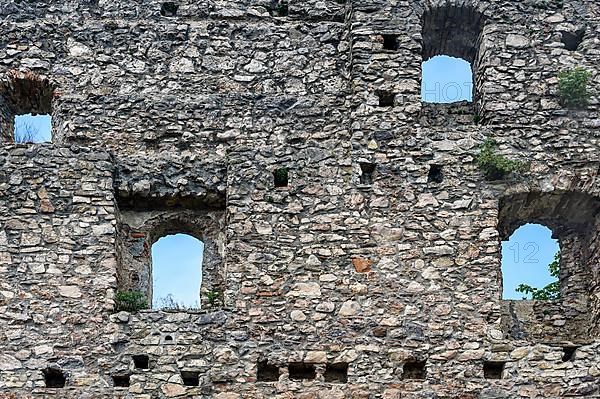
[(529, 260), (177, 272), (574, 219), (155, 245), (451, 37)]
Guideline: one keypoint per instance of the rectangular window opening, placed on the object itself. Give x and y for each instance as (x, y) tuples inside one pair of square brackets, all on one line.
[(414, 370), (26, 108), (493, 370), (302, 371), (267, 372), (120, 381), (336, 372), (54, 378), (190, 378), (141, 362), (30, 128)]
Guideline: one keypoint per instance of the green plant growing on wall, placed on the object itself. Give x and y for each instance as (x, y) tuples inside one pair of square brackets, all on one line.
[(213, 297), (551, 292), (572, 86), (131, 301), (496, 166)]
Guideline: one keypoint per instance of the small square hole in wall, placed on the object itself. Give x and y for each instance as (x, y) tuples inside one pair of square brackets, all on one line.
[(386, 98), (436, 174), (336, 372), (569, 353), (141, 362), (493, 370), (302, 371), (267, 372), (367, 170), (280, 8), (390, 42), (54, 378), (169, 9), (280, 177), (190, 378), (414, 370), (572, 40), (120, 381)]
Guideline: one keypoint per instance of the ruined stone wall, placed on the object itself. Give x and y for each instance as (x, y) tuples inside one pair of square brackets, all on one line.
[(169, 114)]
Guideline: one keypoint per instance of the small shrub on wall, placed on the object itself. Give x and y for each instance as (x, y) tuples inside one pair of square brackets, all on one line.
[(131, 301), (495, 166), (572, 86)]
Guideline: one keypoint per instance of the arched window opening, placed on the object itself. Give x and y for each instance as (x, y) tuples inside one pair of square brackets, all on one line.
[(451, 41), (530, 264), (177, 272), (33, 128), (529, 254), (446, 80)]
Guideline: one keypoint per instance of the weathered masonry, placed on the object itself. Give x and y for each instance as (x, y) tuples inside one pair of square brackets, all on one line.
[(352, 240)]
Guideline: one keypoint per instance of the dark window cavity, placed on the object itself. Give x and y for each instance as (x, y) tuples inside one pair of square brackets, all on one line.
[(569, 353), (121, 381), (169, 9), (54, 378), (436, 174), (267, 372), (302, 371), (414, 370), (493, 370), (190, 378), (336, 373), (367, 170), (390, 42), (386, 98), (280, 177), (141, 362), (572, 40)]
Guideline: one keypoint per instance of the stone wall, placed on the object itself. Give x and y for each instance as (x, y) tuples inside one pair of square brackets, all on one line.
[(375, 273)]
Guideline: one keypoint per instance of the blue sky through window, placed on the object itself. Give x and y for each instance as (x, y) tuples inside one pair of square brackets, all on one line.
[(525, 259), (177, 259), (42, 124), (446, 80), (177, 270)]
